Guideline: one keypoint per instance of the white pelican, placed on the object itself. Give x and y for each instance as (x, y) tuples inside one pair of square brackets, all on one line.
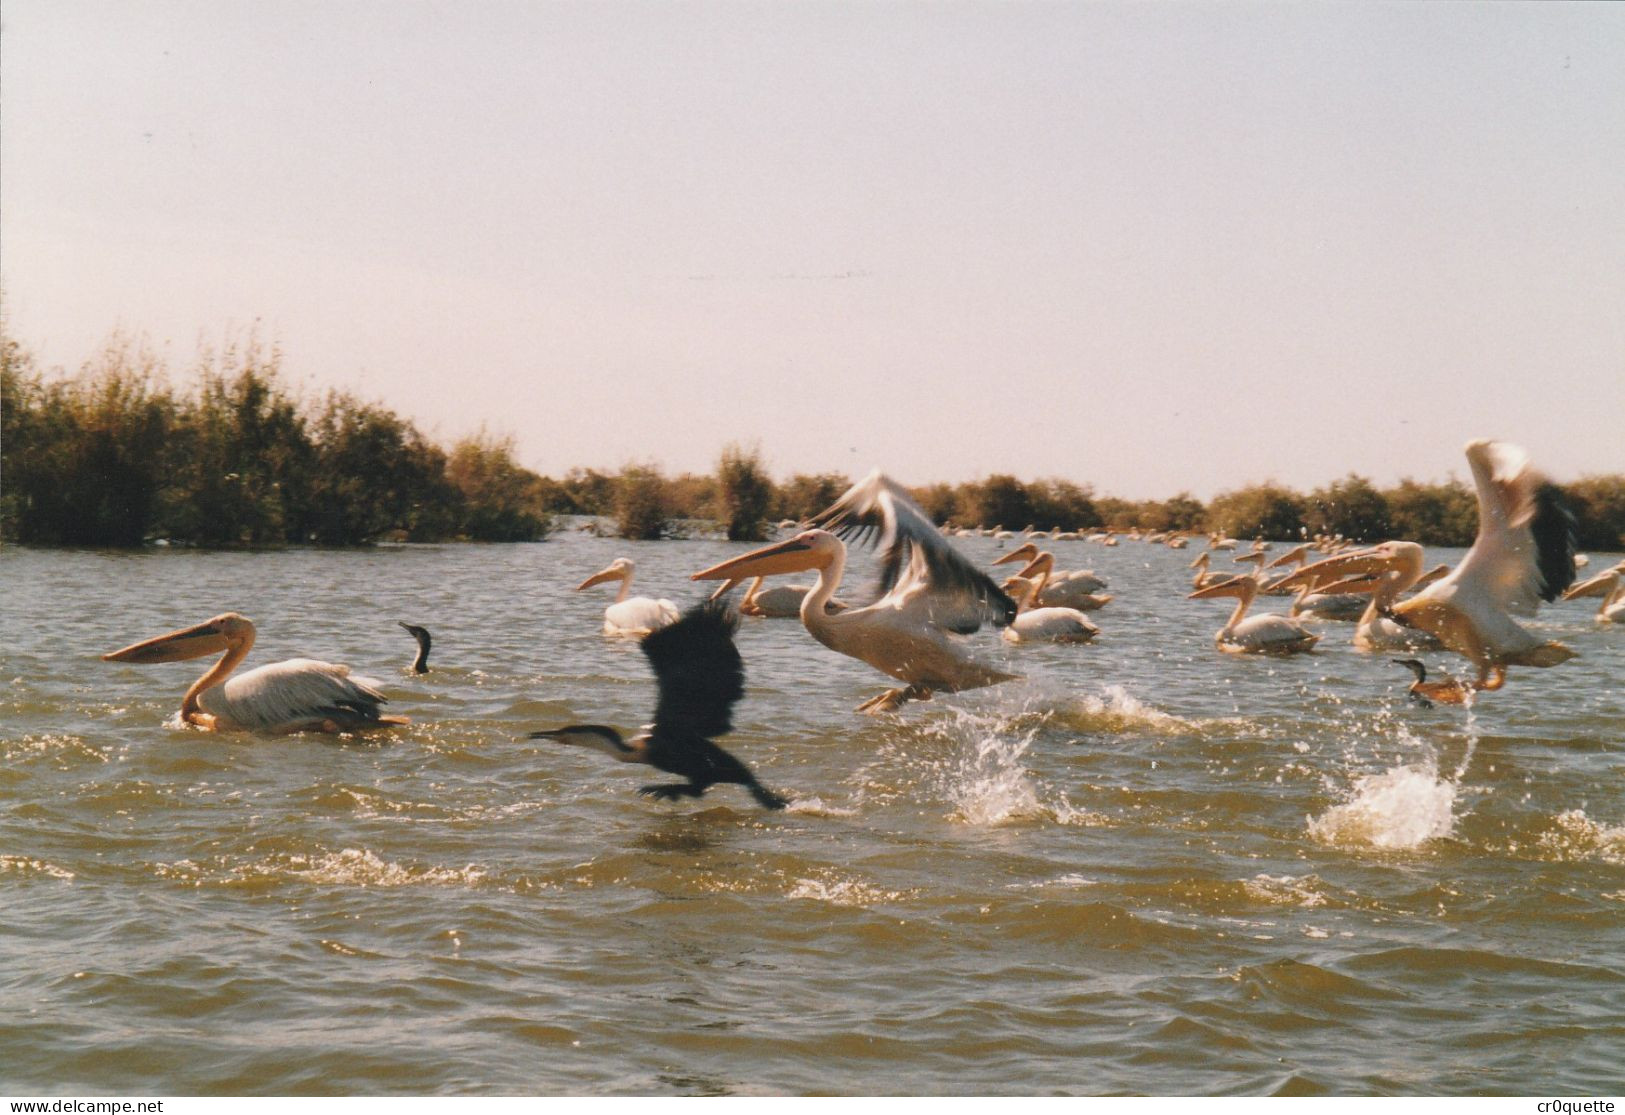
[(1084, 579), (1610, 585), (777, 602), (1065, 590), (1044, 625), (1204, 575), (1523, 554), (1266, 634), (299, 695), (928, 590), (630, 615), (1384, 571)]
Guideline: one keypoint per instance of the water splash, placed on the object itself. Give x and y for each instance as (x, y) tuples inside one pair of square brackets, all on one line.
[(1405, 806), (1116, 710), (984, 778), (1577, 837), (1399, 808), (838, 891)]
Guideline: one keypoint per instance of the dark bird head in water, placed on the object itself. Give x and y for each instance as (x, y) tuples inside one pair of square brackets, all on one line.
[(1413, 666), (420, 664)]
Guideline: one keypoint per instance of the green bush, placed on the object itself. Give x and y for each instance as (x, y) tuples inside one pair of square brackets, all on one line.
[(745, 494)]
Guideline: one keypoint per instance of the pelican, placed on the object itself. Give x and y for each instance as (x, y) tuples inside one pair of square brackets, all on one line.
[(420, 664), (700, 677), (928, 589), (778, 602), (1266, 634), (1065, 590), (1610, 585), (1523, 554), (1044, 625), (1085, 579), (1204, 575), (299, 695), (630, 615), (1384, 571)]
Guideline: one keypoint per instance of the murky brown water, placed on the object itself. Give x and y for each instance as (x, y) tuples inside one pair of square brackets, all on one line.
[(1148, 867)]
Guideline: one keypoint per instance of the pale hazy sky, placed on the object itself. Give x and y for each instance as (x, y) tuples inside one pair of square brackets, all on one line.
[(1148, 246)]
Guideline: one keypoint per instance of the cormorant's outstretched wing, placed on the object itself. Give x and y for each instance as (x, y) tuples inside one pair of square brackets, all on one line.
[(916, 558), (1524, 550), (699, 672)]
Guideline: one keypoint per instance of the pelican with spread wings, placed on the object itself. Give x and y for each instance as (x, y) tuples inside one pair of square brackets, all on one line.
[(1522, 555), (929, 592)]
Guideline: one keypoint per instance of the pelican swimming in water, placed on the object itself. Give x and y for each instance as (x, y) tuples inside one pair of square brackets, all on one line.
[(1522, 555), (700, 677), (1072, 590), (420, 664), (630, 615), (1044, 625), (777, 602), (1610, 585), (299, 695), (1061, 581), (1205, 575), (929, 591), (1372, 580), (1244, 634)]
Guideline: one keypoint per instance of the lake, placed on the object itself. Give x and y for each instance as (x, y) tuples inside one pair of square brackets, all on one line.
[(1147, 867)]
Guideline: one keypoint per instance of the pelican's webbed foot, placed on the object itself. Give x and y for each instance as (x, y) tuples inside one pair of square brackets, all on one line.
[(893, 699)]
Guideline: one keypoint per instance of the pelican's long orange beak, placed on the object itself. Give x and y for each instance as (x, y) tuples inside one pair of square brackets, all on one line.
[(1364, 582), (1232, 587), (598, 578), (1025, 552), (793, 556), (177, 646), (1335, 568), (1289, 557)]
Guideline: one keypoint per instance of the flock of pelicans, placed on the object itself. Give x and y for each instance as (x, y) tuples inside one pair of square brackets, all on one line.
[(930, 594)]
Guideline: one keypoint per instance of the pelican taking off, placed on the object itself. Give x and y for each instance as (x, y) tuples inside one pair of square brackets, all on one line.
[(630, 615), (700, 677), (1523, 554), (927, 591), (299, 695)]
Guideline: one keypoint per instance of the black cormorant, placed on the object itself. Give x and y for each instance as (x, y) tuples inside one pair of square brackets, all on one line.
[(701, 677), (420, 664)]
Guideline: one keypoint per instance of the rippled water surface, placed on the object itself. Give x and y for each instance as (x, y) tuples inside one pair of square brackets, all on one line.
[(1147, 867)]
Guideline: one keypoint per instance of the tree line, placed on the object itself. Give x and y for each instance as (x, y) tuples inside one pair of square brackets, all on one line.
[(117, 456)]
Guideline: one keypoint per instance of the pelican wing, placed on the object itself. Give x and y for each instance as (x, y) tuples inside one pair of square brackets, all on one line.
[(287, 695), (917, 563), (699, 671), (1524, 550)]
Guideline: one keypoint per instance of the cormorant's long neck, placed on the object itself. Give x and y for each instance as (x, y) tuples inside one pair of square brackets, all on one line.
[(216, 674)]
